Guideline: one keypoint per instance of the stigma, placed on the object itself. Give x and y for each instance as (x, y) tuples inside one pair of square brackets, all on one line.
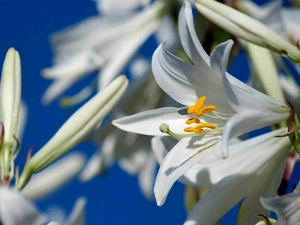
[(198, 110)]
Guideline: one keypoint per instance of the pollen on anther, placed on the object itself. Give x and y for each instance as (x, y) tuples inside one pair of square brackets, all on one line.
[(205, 109), (192, 120)]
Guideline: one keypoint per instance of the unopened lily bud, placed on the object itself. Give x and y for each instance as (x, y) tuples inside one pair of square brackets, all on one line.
[(246, 28), (10, 107), (75, 129)]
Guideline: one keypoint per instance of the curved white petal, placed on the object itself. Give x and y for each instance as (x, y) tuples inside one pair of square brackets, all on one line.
[(17, 210), (185, 83), (244, 122), (189, 39), (148, 122), (180, 159), (240, 95)]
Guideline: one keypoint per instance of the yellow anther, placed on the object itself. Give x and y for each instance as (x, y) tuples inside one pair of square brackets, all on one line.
[(191, 109), (199, 109), (192, 120), (200, 102), (204, 110), (193, 129), (207, 125), (199, 128), (197, 106)]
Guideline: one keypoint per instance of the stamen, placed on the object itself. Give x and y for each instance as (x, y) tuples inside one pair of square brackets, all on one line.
[(164, 128), (205, 109), (199, 129), (192, 120), (193, 129), (197, 106), (191, 109), (207, 125), (200, 102)]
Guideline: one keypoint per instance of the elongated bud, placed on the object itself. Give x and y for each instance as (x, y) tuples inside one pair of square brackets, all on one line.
[(10, 106), (246, 28), (75, 129)]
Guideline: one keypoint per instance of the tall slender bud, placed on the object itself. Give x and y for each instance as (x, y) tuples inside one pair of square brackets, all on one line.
[(10, 108)]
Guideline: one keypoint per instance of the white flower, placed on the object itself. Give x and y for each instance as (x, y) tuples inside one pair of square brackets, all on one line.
[(232, 108), (287, 207), (100, 42), (75, 129), (229, 101), (246, 28)]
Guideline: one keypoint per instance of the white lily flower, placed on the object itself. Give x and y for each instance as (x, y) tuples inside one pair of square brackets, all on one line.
[(10, 108), (287, 207), (99, 42), (230, 101), (17, 210), (75, 129), (246, 28), (51, 179)]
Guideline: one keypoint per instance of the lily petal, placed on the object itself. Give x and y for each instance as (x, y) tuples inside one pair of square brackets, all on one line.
[(173, 74), (173, 166), (240, 95), (244, 122), (148, 122), (189, 39)]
